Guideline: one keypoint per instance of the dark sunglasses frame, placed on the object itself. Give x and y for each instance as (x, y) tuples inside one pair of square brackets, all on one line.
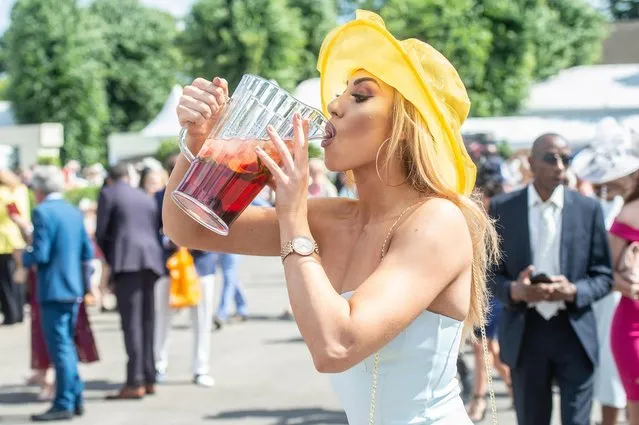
[(551, 159)]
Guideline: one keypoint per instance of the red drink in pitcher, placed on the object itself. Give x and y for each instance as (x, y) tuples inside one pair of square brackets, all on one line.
[(225, 178)]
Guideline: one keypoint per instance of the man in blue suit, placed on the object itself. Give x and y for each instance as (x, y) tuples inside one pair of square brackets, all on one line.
[(60, 248), (556, 263)]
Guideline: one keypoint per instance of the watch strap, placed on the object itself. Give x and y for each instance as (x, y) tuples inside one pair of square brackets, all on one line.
[(287, 249)]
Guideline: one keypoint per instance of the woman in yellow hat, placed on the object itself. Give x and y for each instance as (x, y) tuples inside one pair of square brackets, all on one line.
[(382, 288)]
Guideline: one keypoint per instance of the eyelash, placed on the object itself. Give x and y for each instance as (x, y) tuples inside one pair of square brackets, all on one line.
[(359, 98)]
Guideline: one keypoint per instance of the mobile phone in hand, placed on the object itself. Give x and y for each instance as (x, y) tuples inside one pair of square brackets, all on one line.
[(540, 278), (12, 209)]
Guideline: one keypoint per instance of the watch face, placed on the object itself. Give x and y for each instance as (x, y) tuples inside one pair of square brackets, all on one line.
[(303, 245)]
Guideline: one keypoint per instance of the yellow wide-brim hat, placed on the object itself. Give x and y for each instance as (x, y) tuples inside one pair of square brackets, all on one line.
[(419, 73)]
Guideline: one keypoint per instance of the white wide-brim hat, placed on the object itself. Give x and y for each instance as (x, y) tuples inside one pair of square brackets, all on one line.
[(612, 155)]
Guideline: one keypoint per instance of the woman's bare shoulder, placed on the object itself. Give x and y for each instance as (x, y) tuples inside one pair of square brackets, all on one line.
[(436, 222), (630, 214), (440, 214)]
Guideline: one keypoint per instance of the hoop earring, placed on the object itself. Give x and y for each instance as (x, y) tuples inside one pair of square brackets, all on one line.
[(377, 167)]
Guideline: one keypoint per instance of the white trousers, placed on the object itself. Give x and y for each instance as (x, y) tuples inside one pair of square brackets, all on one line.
[(201, 322)]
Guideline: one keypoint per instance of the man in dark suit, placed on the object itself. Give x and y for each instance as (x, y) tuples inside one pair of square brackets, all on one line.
[(60, 248), (548, 331), (126, 233)]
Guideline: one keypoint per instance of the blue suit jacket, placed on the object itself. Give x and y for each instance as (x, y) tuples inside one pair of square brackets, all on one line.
[(60, 248), (585, 261)]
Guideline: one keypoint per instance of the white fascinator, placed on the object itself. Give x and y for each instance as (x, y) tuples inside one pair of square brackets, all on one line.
[(612, 154)]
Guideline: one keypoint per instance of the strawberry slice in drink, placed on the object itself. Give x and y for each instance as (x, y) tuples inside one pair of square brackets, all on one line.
[(236, 154), (239, 154), (243, 161), (242, 158), (272, 151)]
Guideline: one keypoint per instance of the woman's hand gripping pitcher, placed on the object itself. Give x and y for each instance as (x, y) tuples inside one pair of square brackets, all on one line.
[(226, 175)]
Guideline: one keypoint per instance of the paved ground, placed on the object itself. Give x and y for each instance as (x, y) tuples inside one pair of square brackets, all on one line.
[(264, 373)]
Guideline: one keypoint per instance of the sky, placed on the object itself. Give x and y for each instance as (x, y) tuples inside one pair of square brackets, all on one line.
[(178, 8)]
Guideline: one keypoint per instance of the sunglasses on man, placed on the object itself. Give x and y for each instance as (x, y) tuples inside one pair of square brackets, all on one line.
[(552, 158)]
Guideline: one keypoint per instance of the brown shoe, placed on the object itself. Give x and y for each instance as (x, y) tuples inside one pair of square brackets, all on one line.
[(149, 389), (128, 393)]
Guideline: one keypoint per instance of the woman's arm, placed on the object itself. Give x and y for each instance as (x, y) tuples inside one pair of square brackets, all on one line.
[(22, 201), (429, 251), (627, 215), (255, 232), (25, 227)]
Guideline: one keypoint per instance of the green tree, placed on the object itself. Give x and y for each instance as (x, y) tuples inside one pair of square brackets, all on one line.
[(499, 47), (317, 19), (233, 37), (511, 59), (315, 151), (4, 85), (143, 62), (55, 56), (166, 149), (3, 52), (566, 33), (456, 28), (624, 9)]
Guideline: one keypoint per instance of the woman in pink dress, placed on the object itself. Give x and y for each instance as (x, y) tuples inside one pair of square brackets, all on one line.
[(624, 333)]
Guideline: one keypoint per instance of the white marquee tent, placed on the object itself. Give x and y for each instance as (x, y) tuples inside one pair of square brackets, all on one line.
[(571, 103), (308, 92), (164, 126), (30, 140)]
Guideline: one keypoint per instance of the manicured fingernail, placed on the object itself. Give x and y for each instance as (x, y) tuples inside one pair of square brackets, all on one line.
[(217, 80), (270, 128)]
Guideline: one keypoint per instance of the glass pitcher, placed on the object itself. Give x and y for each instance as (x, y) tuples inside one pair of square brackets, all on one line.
[(226, 175)]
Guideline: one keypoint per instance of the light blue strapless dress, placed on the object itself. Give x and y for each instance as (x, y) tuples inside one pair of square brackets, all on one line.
[(417, 380)]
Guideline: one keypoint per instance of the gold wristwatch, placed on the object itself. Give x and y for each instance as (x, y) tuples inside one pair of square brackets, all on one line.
[(300, 245)]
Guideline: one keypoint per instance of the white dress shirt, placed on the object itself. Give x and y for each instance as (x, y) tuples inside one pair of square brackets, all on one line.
[(546, 252)]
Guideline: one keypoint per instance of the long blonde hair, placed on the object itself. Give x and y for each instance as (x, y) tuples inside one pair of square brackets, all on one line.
[(410, 142)]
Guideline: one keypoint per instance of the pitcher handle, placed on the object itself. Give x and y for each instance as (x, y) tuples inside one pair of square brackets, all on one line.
[(185, 149)]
